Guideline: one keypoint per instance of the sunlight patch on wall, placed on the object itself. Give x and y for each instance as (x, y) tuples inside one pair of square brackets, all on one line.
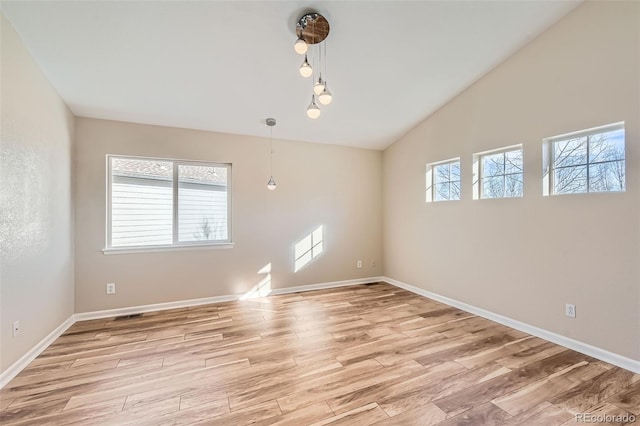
[(262, 288), (308, 248)]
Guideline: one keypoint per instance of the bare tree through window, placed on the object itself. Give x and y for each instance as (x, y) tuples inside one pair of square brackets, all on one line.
[(446, 178), (592, 162), (502, 174)]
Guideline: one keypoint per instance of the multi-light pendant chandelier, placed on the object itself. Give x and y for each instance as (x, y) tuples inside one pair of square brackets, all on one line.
[(312, 29)]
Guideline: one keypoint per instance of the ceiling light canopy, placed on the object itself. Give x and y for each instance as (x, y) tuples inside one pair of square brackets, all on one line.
[(312, 31), (312, 28)]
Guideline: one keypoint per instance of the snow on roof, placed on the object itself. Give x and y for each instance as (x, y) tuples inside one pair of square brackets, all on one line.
[(163, 170)]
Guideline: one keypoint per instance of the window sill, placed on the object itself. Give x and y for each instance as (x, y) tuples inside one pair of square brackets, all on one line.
[(156, 249)]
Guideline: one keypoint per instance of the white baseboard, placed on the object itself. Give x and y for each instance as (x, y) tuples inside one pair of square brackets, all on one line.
[(84, 316), (576, 345), (15, 368), (323, 286), (132, 310)]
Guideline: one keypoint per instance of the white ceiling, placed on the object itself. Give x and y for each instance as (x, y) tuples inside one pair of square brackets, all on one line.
[(227, 65)]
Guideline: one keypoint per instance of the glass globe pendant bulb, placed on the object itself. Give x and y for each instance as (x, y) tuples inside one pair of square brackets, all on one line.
[(325, 97), (301, 46), (318, 88), (271, 185), (313, 111), (305, 69)]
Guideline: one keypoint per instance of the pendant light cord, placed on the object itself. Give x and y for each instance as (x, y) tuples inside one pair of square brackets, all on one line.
[(324, 58)]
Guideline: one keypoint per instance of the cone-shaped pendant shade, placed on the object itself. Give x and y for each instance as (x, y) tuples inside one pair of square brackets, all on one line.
[(271, 185), (305, 69), (325, 97), (319, 86), (313, 111)]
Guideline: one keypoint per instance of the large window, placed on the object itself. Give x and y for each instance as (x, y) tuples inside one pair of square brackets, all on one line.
[(500, 173), (443, 180), (587, 161), (160, 203)]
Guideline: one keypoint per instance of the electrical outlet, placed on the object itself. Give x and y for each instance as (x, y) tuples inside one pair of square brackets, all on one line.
[(359, 264), (111, 288), (570, 310), (16, 329)]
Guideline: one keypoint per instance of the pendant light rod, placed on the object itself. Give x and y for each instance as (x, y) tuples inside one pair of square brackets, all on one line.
[(271, 122), (271, 184)]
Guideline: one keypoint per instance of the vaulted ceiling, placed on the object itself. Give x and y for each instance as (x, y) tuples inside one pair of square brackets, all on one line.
[(227, 65)]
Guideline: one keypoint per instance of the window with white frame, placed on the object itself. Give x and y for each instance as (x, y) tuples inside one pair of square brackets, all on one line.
[(587, 161), (499, 173), (443, 180), (165, 203)]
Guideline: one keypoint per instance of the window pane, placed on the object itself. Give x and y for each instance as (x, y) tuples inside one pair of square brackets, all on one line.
[(493, 165), (202, 203), (441, 173), (493, 187), (455, 190), (571, 152), (455, 171), (440, 180), (594, 162), (606, 177), (513, 186), (608, 146), (569, 180), (501, 174), (513, 161), (442, 191), (141, 202)]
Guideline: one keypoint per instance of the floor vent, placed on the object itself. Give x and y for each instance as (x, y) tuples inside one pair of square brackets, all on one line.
[(126, 317)]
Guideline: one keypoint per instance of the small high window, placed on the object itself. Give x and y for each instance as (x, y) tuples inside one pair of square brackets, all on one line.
[(499, 173), (587, 161), (443, 180)]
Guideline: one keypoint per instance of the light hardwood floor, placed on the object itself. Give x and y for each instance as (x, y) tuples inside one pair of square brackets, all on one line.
[(360, 355)]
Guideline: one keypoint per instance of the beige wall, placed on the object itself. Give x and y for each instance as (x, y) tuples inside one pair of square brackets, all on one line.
[(36, 263), (525, 258), (326, 185)]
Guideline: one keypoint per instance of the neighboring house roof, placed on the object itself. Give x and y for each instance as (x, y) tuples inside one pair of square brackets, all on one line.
[(163, 170)]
